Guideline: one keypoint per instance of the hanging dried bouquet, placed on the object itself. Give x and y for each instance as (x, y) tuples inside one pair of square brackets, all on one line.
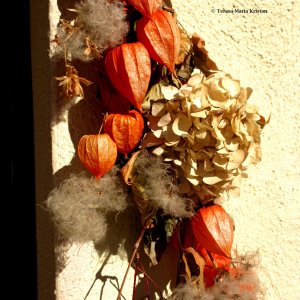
[(178, 135)]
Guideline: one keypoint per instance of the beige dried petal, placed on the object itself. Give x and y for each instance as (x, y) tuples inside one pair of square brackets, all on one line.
[(164, 120), (186, 107), (222, 150), (194, 180), (150, 140), (220, 161), (253, 128), (180, 147), (201, 134), (172, 106), (196, 104), (234, 192), (169, 159), (231, 85), (158, 109), (236, 182), (190, 170), (195, 80), (235, 159), (222, 123), (200, 114), (171, 138), (240, 129), (254, 155), (215, 94), (202, 173), (237, 156), (158, 133), (244, 95), (203, 154), (185, 90), (217, 132), (192, 162), (181, 125), (190, 139), (207, 165), (232, 144), (177, 162), (152, 122), (159, 150), (255, 117), (169, 91), (223, 185), (212, 180), (228, 132), (251, 109)]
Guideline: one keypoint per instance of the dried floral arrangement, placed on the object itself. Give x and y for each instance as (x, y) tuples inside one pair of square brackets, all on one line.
[(177, 137)]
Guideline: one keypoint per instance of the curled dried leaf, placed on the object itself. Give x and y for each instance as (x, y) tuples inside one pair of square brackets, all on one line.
[(194, 267), (202, 60)]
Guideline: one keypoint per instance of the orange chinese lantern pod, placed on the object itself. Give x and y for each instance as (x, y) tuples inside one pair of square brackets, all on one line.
[(161, 37), (125, 129), (129, 69), (213, 230), (146, 7), (98, 153)]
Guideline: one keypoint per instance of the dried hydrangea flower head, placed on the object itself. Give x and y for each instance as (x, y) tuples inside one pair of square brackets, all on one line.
[(209, 131)]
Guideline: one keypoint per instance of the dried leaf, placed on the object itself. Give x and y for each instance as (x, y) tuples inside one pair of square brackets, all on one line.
[(137, 182), (202, 60), (213, 229), (154, 94), (194, 267), (161, 37), (126, 171), (185, 47)]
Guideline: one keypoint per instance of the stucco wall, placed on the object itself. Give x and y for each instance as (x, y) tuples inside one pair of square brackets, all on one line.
[(261, 50)]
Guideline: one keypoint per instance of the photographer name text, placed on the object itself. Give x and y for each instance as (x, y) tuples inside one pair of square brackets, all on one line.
[(239, 11)]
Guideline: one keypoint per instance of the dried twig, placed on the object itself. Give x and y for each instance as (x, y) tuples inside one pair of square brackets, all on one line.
[(135, 250)]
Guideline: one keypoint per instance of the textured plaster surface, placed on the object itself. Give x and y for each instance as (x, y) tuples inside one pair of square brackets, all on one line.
[(262, 50)]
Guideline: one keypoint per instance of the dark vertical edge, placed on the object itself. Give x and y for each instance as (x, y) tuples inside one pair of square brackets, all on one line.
[(42, 110)]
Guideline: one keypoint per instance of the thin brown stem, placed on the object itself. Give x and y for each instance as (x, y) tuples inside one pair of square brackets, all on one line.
[(135, 250), (151, 280), (65, 53), (101, 127), (212, 259)]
